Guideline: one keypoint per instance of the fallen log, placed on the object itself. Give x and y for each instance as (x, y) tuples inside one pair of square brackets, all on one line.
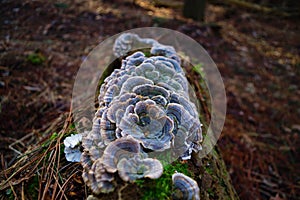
[(43, 172)]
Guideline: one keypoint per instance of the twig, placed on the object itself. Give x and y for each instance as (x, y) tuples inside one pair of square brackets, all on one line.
[(6, 183), (22, 192), (19, 141), (64, 185), (12, 189), (120, 191)]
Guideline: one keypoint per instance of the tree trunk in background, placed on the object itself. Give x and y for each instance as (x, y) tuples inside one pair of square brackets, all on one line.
[(194, 9)]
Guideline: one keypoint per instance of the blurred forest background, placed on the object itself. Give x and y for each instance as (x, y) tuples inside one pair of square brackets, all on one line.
[(255, 44)]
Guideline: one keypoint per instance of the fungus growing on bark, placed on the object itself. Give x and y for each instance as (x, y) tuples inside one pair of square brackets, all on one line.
[(137, 167), (149, 124), (184, 187), (98, 178), (124, 147)]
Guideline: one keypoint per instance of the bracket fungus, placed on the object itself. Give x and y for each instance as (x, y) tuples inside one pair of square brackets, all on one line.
[(144, 108), (185, 188), (137, 167), (72, 147)]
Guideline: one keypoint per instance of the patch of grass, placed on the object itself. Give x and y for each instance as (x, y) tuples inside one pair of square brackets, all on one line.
[(35, 58), (161, 188)]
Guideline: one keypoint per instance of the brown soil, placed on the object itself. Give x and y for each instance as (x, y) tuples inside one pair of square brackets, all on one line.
[(257, 55)]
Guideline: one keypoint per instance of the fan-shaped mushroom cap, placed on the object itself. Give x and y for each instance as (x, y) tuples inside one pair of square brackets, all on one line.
[(185, 102), (73, 140), (148, 90), (137, 167), (148, 123), (98, 179), (130, 62), (85, 160), (169, 62), (124, 147), (118, 107), (185, 188), (107, 129), (72, 154), (132, 82), (126, 41), (162, 73), (123, 44), (160, 100), (72, 147), (187, 130), (92, 141)]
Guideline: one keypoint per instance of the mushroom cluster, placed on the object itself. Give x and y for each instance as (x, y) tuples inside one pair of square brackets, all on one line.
[(144, 110)]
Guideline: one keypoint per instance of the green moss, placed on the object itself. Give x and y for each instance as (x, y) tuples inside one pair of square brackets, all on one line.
[(162, 188), (199, 69), (33, 188), (147, 53), (9, 194), (208, 170), (52, 138), (35, 58), (211, 192), (205, 95)]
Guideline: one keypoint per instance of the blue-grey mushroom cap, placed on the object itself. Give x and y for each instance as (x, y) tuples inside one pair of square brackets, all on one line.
[(148, 123), (72, 147), (184, 188), (124, 147), (187, 130), (72, 154), (98, 179), (138, 167)]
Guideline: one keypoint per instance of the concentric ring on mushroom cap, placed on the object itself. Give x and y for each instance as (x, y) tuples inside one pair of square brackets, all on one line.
[(137, 167), (150, 125), (184, 188), (124, 147), (98, 179)]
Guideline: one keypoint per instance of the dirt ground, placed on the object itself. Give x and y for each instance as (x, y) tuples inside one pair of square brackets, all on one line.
[(42, 44)]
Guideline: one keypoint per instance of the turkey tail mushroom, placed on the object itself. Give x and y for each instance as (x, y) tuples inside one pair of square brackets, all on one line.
[(144, 110), (184, 187)]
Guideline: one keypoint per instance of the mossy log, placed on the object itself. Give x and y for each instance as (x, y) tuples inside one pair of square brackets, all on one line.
[(210, 172)]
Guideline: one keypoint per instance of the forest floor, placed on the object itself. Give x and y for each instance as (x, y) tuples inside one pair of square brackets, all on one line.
[(42, 45)]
